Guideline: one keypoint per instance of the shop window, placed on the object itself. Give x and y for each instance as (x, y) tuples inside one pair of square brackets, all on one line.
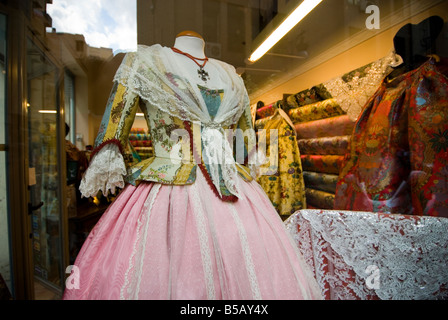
[(45, 167), (5, 266)]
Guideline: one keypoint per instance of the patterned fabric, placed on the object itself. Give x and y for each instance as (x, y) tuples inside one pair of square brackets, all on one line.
[(261, 124), (164, 242), (353, 89), (141, 144), (321, 181), (365, 255), (266, 111), (324, 146), (322, 164), (163, 128), (320, 199), (212, 99), (329, 127), (285, 188), (398, 156), (306, 97), (316, 111)]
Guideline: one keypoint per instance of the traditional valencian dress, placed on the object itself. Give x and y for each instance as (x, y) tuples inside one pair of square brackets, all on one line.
[(398, 156), (191, 221)]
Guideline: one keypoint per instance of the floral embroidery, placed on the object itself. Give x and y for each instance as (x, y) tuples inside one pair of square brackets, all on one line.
[(398, 153), (320, 110), (284, 185), (117, 111), (440, 141)]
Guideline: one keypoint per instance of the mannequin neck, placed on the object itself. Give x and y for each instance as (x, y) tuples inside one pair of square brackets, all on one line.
[(192, 45)]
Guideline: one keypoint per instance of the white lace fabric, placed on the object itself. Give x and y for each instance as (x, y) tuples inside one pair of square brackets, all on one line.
[(353, 95), (363, 255), (106, 172)]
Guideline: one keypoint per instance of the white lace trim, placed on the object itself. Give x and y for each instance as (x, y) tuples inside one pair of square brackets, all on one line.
[(204, 244), (410, 253), (219, 154), (250, 267), (132, 287), (105, 172)]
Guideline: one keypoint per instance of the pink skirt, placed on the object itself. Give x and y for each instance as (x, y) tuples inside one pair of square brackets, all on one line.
[(182, 242)]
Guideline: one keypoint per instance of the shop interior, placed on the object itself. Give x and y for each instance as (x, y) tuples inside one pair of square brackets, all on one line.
[(320, 74)]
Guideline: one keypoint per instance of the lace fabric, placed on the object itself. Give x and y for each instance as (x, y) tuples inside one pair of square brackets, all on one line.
[(363, 255), (352, 91), (153, 74), (106, 172)]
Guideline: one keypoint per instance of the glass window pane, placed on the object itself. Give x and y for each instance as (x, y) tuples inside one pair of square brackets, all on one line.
[(43, 162), (5, 265)]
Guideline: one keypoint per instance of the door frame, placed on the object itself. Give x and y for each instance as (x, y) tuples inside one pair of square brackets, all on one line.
[(19, 30)]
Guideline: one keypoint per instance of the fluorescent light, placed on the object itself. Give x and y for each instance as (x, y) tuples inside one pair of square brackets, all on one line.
[(138, 114), (47, 111), (294, 18)]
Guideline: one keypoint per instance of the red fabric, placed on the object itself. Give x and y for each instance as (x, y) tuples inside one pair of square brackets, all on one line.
[(398, 156), (110, 141)]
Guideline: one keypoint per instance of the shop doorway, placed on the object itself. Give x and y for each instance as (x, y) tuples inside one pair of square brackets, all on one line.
[(46, 174)]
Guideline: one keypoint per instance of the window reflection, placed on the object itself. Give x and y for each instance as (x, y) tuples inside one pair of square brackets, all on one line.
[(43, 163)]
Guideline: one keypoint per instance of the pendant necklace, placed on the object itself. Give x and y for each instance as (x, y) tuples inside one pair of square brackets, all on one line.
[(201, 72)]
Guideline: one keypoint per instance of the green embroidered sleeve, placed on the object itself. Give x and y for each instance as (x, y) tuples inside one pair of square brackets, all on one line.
[(118, 118)]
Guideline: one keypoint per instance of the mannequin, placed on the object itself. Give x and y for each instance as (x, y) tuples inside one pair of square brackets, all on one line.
[(192, 43), (415, 43), (178, 230)]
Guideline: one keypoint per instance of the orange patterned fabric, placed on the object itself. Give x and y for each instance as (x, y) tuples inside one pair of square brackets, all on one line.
[(398, 155)]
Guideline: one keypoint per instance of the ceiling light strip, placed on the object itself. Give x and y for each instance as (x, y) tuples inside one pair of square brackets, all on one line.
[(294, 18)]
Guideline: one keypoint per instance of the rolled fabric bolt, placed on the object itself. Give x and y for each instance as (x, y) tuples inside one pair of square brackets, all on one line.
[(316, 111), (329, 127), (324, 146)]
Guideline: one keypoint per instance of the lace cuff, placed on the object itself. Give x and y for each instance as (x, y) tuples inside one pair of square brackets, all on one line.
[(105, 172)]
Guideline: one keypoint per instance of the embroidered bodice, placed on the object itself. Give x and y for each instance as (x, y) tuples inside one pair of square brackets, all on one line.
[(191, 127)]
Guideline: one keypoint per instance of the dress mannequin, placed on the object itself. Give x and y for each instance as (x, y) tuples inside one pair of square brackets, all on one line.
[(181, 231), (192, 43)]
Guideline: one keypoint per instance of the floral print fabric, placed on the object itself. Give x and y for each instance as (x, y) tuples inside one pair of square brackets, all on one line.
[(324, 146), (328, 127), (322, 163), (266, 111), (158, 167), (321, 181), (398, 156), (306, 97), (285, 188), (320, 199), (316, 111)]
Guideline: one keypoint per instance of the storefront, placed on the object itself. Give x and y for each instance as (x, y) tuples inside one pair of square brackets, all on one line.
[(321, 75), (33, 140), (44, 94)]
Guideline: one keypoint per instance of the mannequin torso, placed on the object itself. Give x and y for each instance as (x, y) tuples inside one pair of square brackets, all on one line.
[(195, 47)]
